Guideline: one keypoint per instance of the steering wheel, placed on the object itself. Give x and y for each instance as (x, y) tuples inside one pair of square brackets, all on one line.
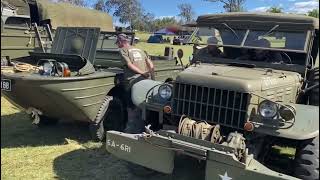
[(287, 57)]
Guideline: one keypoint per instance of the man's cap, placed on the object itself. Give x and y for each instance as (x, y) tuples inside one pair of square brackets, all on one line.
[(122, 37), (212, 40)]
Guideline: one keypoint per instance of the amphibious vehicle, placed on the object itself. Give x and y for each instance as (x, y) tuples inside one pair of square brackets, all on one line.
[(79, 80)]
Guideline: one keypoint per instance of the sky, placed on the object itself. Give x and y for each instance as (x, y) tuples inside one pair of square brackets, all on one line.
[(168, 8), (163, 8)]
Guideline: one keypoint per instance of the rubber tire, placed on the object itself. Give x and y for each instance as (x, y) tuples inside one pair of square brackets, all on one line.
[(307, 160), (103, 122), (314, 93), (47, 121)]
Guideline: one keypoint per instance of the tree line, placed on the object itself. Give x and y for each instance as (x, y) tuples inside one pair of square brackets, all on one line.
[(131, 12)]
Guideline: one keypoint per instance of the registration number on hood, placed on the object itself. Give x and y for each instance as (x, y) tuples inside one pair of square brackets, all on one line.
[(6, 84)]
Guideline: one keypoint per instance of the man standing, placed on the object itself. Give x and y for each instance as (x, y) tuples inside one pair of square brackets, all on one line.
[(136, 60), (137, 67)]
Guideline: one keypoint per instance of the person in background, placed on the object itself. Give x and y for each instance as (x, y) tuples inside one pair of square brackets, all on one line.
[(261, 55), (212, 50)]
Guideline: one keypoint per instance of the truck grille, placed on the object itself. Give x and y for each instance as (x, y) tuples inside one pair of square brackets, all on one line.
[(224, 107)]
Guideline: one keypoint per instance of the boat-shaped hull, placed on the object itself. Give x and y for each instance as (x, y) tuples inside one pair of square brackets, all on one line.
[(64, 98)]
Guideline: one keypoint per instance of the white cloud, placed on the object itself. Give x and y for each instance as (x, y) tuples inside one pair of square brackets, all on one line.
[(260, 9), (304, 7), (161, 17)]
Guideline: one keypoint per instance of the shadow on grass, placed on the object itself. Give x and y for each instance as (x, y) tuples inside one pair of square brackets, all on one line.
[(96, 163), (17, 130)]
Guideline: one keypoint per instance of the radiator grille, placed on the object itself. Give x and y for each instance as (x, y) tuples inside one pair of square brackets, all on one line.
[(224, 107)]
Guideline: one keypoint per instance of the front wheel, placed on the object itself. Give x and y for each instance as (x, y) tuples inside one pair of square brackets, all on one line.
[(307, 160), (111, 116)]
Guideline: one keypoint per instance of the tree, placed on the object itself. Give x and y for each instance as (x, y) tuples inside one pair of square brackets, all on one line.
[(275, 10), (186, 12), (100, 5), (314, 13), (128, 11), (81, 3), (231, 5), (145, 22)]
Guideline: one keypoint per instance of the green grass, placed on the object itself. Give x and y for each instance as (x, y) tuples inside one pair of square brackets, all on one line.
[(157, 49)]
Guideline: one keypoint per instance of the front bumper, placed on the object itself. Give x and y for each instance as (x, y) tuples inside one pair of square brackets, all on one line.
[(157, 151)]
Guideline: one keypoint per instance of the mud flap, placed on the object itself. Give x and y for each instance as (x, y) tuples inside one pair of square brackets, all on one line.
[(136, 150), (254, 170)]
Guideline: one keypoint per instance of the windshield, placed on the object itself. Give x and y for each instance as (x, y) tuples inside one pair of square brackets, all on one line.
[(107, 40), (269, 38)]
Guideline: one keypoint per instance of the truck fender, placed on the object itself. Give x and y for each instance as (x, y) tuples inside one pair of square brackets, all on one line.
[(140, 90)]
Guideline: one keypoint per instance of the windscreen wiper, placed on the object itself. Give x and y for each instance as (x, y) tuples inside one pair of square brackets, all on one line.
[(269, 32), (233, 31)]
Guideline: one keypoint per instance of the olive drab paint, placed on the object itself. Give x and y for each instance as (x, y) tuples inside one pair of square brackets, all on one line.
[(227, 93)]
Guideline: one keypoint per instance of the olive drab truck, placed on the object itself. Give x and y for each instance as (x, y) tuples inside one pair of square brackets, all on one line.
[(230, 112), (30, 25)]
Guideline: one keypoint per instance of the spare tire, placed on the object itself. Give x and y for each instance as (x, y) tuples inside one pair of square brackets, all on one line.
[(314, 93)]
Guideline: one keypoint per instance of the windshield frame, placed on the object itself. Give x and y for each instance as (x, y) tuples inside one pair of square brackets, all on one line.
[(247, 31)]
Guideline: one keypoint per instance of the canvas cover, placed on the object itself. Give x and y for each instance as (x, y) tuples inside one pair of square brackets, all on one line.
[(286, 21), (64, 14)]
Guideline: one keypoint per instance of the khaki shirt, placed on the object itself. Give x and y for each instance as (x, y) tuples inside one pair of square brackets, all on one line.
[(136, 57)]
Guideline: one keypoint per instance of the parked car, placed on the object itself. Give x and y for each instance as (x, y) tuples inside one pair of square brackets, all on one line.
[(157, 38), (180, 40)]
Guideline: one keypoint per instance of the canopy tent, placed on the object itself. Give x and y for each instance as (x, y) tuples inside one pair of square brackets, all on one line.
[(165, 31)]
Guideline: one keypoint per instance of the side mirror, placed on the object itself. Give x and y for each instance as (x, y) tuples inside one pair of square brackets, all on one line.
[(180, 53)]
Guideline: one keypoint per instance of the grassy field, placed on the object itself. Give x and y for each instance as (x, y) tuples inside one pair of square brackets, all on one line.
[(157, 49), (65, 151)]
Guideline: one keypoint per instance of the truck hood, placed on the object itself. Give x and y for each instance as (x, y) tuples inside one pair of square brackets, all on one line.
[(239, 79)]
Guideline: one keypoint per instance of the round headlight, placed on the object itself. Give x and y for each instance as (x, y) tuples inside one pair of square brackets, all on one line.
[(165, 91), (268, 109)]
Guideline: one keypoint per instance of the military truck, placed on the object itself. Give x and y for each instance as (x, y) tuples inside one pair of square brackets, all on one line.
[(230, 112), (30, 25)]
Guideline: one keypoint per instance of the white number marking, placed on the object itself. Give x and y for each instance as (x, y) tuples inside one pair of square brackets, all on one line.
[(122, 147)]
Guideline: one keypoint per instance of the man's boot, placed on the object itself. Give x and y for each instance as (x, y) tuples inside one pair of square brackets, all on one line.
[(135, 122)]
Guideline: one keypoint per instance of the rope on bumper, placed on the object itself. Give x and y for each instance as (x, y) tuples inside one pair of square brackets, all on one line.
[(149, 133)]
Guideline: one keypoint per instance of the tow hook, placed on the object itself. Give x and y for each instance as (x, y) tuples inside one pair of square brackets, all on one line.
[(35, 115)]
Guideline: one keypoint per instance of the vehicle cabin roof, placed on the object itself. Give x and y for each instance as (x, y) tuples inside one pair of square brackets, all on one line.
[(287, 22)]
